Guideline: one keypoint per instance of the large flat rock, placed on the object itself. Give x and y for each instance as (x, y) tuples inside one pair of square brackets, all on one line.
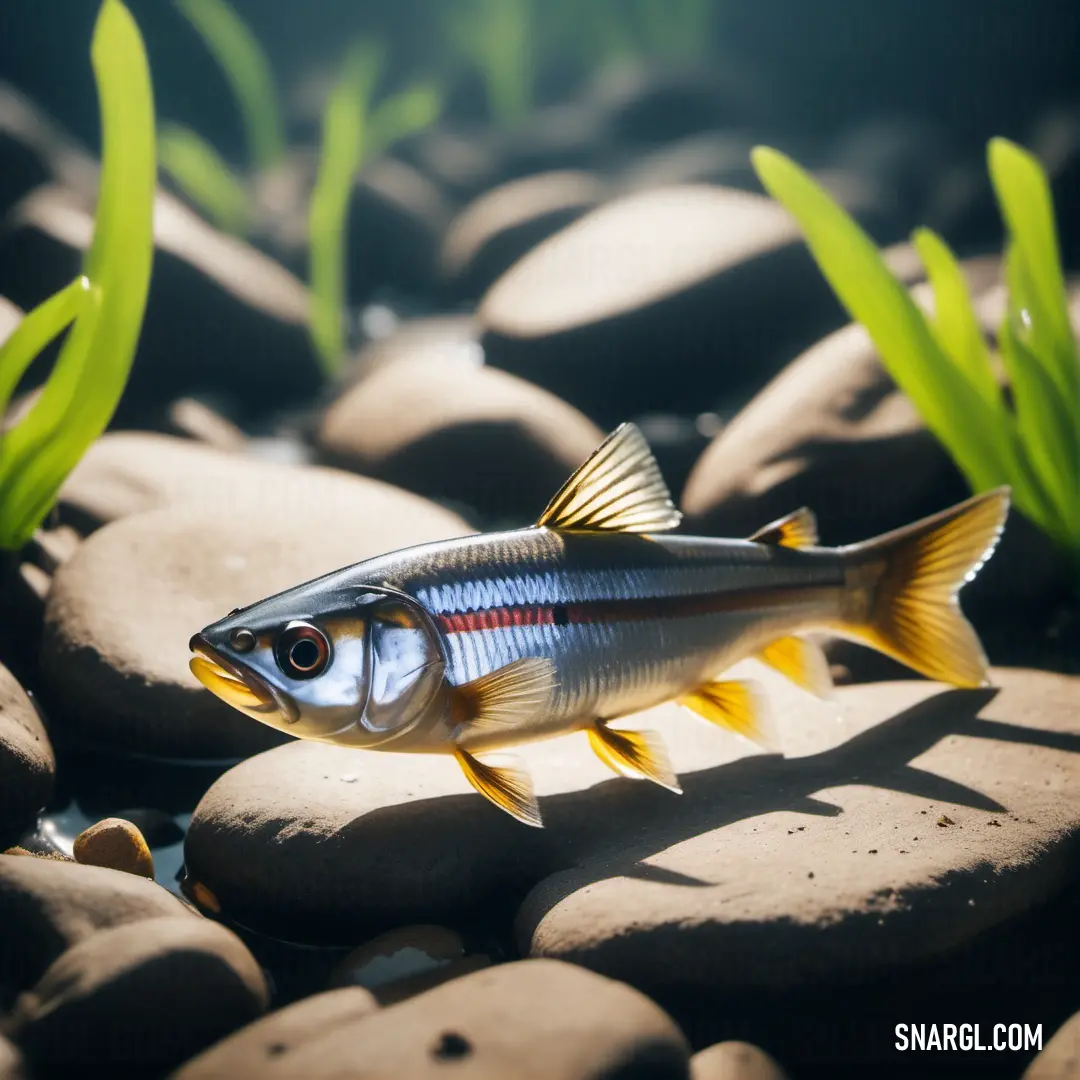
[(823, 863)]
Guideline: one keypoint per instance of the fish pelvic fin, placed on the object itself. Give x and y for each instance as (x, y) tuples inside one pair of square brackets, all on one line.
[(797, 530), (619, 489), (735, 704), (506, 697), (902, 589), (639, 755), (802, 662), (504, 782)]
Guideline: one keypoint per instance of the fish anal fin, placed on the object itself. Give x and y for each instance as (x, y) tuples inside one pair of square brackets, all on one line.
[(640, 755), (506, 697), (505, 783), (802, 662), (797, 530), (618, 489), (737, 705)]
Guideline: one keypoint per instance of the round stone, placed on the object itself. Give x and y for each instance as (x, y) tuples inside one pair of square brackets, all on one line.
[(117, 844), (27, 762), (734, 1061)]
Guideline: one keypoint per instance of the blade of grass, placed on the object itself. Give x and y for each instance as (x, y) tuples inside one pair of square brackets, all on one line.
[(971, 430), (82, 392), (245, 67), (44, 324), (957, 329), (343, 141), (401, 115), (204, 178)]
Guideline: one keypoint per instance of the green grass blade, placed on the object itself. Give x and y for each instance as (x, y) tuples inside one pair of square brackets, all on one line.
[(1023, 194), (244, 64), (204, 178), (401, 115), (955, 324), (82, 391), (971, 430), (39, 327), (343, 144)]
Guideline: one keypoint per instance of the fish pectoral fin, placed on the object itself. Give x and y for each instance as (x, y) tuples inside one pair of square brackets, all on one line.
[(736, 705), (640, 755), (802, 662), (797, 530), (508, 696), (619, 489), (505, 783)]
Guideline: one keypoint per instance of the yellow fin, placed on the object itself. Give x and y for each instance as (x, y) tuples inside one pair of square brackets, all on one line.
[(802, 662), (736, 705), (903, 589), (641, 755), (797, 530), (508, 696), (619, 489), (505, 784)]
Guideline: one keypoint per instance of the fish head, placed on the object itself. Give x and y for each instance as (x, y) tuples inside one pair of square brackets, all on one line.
[(360, 666)]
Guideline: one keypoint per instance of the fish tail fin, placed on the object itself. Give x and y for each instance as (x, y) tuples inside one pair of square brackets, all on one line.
[(902, 589)]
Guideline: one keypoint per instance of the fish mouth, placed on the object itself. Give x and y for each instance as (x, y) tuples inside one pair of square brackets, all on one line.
[(240, 688)]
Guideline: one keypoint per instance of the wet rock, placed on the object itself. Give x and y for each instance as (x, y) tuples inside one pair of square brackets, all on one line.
[(686, 280), (412, 950), (47, 906), (529, 1019), (500, 226), (337, 844), (249, 339), (267, 1047), (117, 844), (734, 1061), (121, 611), (139, 999), (27, 762), (1060, 1057), (828, 864), (474, 435)]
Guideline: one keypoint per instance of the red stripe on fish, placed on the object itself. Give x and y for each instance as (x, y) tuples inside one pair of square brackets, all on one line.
[(603, 611)]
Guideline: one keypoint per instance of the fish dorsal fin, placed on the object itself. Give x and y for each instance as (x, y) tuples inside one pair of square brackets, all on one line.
[(508, 696), (797, 530), (802, 662), (619, 489)]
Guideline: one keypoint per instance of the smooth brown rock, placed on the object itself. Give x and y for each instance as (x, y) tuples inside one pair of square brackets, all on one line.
[(117, 844), (139, 999), (266, 1047), (27, 762), (221, 316), (122, 610), (456, 431), (686, 281), (11, 1063), (47, 906), (1060, 1057), (734, 1061), (500, 226), (833, 863), (529, 1020)]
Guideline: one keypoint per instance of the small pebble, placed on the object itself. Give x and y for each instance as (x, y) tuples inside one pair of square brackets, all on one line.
[(117, 844), (945, 820)]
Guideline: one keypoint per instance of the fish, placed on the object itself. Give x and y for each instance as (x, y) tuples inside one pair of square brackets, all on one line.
[(472, 646)]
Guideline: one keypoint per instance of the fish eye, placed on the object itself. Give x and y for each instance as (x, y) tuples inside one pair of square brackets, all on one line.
[(242, 640), (302, 651)]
